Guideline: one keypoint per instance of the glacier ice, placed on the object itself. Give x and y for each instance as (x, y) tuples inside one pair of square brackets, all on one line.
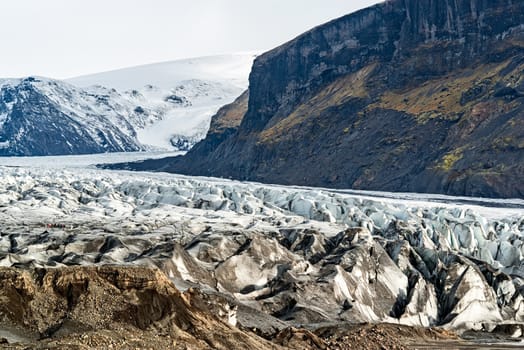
[(303, 255)]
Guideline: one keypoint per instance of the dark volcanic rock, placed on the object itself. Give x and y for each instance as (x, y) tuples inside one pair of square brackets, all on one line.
[(411, 95)]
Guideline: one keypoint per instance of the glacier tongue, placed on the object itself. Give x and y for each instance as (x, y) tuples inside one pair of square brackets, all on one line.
[(303, 255)]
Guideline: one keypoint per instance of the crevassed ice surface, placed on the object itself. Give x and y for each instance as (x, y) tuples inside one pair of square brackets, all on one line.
[(305, 255), (496, 237)]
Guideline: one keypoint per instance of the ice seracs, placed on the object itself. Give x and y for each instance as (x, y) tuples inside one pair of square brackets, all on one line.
[(302, 255)]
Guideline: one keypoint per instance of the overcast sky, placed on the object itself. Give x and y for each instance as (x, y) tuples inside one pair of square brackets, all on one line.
[(66, 38)]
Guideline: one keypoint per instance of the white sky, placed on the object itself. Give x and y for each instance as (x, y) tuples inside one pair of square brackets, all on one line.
[(66, 38)]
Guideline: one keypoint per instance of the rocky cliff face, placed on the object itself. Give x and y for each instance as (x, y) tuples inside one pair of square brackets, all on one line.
[(407, 95)]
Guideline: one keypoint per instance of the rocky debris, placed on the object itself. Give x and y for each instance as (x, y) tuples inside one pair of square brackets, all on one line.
[(132, 307), (294, 338), (116, 307), (378, 337), (406, 96), (111, 307)]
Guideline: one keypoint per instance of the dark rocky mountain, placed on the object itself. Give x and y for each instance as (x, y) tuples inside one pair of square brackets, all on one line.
[(407, 95), (47, 117)]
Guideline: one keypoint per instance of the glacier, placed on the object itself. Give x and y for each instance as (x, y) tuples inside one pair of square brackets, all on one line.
[(302, 255)]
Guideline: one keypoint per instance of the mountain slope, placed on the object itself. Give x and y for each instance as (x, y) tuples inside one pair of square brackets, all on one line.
[(161, 106), (43, 117), (197, 87), (233, 68), (414, 95)]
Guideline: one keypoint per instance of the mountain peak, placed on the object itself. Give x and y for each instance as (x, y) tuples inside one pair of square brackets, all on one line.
[(161, 106), (231, 67)]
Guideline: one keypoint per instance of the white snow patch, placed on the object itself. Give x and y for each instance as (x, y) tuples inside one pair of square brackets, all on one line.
[(181, 96)]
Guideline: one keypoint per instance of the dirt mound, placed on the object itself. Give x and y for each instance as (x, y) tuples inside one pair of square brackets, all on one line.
[(109, 307), (380, 336)]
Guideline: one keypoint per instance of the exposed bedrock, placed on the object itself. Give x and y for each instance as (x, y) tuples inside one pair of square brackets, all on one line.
[(406, 96)]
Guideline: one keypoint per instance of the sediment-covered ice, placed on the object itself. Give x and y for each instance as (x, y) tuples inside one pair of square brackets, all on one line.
[(303, 255)]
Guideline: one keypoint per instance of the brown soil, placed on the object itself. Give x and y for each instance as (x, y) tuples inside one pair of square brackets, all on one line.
[(109, 307), (361, 337)]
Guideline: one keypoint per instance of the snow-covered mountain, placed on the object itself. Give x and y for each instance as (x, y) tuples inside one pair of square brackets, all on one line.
[(196, 87), (41, 116), (161, 106), (232, 68)]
